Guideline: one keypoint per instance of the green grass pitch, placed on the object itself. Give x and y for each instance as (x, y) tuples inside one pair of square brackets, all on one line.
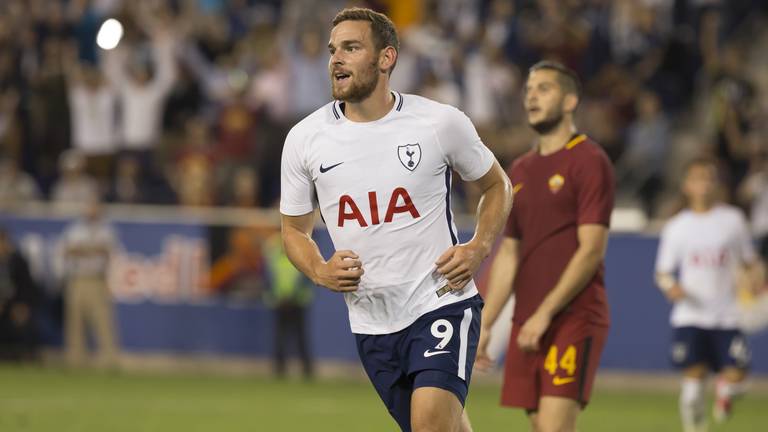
[(54, 400)]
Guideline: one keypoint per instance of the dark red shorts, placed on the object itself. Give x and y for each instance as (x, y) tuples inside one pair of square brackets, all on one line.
[(565, 366)]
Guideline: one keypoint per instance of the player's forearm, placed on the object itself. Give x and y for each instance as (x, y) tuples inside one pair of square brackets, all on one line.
[(303, 252), (500, 281), (756, 272), (579, 271), (500, 288), (492, 212)]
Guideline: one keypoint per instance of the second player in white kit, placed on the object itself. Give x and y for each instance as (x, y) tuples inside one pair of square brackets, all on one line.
[(702, 250)]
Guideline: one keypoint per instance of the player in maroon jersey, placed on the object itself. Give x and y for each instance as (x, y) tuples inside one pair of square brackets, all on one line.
[(551, 257)]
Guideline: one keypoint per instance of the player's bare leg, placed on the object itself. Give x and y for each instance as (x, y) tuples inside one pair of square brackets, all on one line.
[(555, 414), (436, 410), (692, 411), (466, 426), (730, 384)]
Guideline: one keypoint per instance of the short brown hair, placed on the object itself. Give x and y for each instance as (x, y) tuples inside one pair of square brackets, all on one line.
[(384, 32), (702, 161), (567, 78)]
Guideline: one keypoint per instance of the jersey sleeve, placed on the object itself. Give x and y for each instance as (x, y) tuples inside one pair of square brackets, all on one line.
[(669, 255), (595, 190), (297, 190), (462, 147)]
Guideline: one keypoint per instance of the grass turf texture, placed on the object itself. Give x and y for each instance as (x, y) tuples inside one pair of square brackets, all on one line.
[(34, 399)]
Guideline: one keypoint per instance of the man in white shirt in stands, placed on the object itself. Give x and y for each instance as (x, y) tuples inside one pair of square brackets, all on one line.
[(377, 165), (88, 246), (706, 244), (142, 94)]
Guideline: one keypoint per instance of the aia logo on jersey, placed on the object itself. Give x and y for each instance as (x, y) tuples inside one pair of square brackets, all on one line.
[(711, 258), (556, 182), (399, 202), (410, 155)]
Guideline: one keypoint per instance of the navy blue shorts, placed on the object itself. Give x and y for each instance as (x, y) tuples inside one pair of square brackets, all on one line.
[(437, 350), (714, 347)]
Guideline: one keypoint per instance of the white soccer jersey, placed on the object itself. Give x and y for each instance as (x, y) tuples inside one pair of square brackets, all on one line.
[(383, 190), (706, 248)]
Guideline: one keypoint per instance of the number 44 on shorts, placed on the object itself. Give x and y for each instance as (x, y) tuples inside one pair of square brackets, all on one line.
[(565, 363)]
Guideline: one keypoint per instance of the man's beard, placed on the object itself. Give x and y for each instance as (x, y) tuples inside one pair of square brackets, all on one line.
[(548, 124), (360, 89)]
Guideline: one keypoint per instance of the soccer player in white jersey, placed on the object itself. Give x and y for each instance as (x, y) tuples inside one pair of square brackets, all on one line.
[(377, 165), (701, 250)]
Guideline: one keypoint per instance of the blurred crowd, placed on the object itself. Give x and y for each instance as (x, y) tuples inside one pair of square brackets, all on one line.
[(192, 106)]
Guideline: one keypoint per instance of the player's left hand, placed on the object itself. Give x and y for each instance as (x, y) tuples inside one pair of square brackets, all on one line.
[(530, 334), (459, 263)]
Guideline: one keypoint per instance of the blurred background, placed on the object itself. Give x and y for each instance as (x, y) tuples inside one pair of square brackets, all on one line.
[(140, 147)]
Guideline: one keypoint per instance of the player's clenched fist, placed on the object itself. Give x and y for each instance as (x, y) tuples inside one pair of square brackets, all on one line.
[(341, 273), (459, 263)]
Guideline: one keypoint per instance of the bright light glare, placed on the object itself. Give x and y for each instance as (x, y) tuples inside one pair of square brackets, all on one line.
[(109, 34)]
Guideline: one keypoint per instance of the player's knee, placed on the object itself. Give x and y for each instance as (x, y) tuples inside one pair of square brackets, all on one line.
[(733, 374), (434, 409), (553, 424), (434, 422), (697, 371)]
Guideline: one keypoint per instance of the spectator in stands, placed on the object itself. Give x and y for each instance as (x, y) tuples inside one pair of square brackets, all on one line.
[(75, 186), (735, 98), (10, 128), (92, 107), (639, 170), (142, 92), (270, 87), (244, 188), (192, 172), (440, 89), (309, 62), (129, 185), (239, 272), (19, 300), (237, 128), (753, 193), (16, 186), (49, 111), (89, 244), (290, 294)]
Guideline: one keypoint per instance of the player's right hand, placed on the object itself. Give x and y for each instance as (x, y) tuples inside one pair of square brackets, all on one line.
[(341, 273), (483, 361), (675, 294)]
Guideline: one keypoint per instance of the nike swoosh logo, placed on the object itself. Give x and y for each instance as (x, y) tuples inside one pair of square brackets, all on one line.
[(429, 353), (326, 169), (561, 381)]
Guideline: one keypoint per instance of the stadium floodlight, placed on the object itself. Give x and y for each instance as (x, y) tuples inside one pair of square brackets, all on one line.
[(109, 34)]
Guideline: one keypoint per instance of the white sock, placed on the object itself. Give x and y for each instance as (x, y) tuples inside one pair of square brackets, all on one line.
[(692, 411), (729, 390)]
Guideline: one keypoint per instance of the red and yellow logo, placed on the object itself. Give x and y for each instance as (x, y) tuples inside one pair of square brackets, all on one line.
[(556, 182), (516, 188)]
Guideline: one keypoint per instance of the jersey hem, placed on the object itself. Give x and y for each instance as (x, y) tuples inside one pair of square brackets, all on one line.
[(367, 329)]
